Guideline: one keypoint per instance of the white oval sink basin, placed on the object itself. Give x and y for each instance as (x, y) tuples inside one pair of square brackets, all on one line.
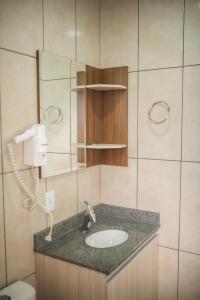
[(106, 238)]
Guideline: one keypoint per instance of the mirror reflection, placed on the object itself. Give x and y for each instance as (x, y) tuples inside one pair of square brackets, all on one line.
[(62, 110)]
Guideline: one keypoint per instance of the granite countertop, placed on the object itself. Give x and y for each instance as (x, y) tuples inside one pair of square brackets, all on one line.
[(68, 242)]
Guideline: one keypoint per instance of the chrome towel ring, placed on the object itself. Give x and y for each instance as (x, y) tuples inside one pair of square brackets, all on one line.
[(53, 115), (165, 106)]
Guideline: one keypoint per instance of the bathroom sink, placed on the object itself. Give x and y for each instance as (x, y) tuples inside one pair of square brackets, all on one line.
[(106, 238)]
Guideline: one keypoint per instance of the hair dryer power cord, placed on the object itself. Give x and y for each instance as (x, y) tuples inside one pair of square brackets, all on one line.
[(33, 199)]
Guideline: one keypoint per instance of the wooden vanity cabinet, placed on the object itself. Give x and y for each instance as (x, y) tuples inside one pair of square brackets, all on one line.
[(60, 280), (138, 279)]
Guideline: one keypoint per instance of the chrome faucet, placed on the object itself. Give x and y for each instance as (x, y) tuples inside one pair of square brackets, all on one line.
[(89, 217)]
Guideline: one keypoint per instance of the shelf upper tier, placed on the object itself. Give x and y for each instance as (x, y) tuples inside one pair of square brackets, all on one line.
[(100, 87), (102, 146)]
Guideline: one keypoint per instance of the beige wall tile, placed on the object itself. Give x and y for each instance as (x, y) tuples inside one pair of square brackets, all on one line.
[(158, 190), (167, 273), (191, 111), (132, 115), (21, 26), (87, 15), (190, 208), (191, 37), (18, 100), (119, 33), (59, 27), (21, 224), (163, 140), (189, 276), (161, 33), (53, 66), (88, 186), (65, 187), (57, 164), (2, 240), (31, 280), (118, 184)]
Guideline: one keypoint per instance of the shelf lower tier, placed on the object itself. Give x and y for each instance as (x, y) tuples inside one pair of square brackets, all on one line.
[(102, 146), (100, 87)]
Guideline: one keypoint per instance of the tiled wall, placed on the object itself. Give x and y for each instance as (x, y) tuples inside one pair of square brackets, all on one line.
[(160, 42), (61, 27)]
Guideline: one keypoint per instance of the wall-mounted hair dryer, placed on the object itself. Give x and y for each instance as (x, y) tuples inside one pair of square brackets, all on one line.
[(35, 145), (35, 155)]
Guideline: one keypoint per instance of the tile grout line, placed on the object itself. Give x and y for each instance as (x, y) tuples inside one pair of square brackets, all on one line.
[(43, 24), (164, 68), (135, 71), (100, 182), (77, 192), (176, 249), (57, 79), (99, 34), (190, 161), (77, 171), (157, 69), (75, 25), (20, 170), (188, 66), (43, 46), (17, 52), (5, 244), (180, 198), (70, 121), (29, 275), (133, 158), (138, 64), (1, 134), (167, 247), (100, 166), (46, 190), (189, 252), (3, 195), (62, 153), (163, 159), (179, 230), (180, 250)]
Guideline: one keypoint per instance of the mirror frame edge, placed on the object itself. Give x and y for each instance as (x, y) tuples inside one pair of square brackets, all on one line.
[(38, 94)]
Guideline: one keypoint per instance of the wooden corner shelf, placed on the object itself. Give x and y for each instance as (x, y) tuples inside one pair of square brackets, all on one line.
[(106, 110)]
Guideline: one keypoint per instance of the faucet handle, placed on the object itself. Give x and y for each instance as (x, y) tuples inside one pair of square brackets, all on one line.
[(90, 211), (86, 203)]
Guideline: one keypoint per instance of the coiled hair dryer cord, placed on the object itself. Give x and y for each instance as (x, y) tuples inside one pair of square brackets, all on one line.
[(33, 198)]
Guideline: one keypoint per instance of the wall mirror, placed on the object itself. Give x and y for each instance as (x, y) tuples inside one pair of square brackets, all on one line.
[(62, 110)]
